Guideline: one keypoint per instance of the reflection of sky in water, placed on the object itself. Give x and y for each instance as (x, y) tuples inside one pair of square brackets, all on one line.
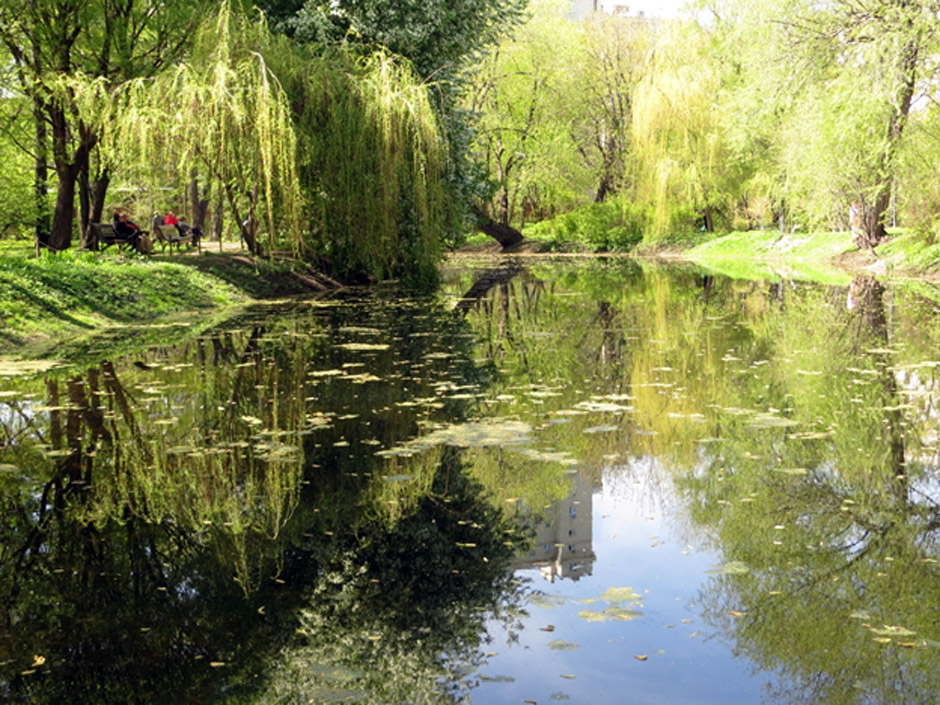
[(635, 547)]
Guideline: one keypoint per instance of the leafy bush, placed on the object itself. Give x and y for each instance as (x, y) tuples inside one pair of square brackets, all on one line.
[(602, 227)]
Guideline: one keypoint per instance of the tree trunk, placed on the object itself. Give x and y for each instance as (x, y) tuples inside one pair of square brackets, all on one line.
[(505, 234), (84, 204), (40, 179), (874, 214), (99, 191), (247, 226), (61, 236), (68, 167), (217, 218)]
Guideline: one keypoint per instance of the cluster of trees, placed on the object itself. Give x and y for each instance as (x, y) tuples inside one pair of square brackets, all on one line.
[(747, 115), (329, 128), (363, 133)]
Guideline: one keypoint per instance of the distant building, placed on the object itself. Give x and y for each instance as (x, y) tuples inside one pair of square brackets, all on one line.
[(582, 9)]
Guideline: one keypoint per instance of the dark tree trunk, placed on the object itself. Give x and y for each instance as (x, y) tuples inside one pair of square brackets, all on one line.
[(708, 220), (873, 215), (68, 167), (99, 192), (217, 218), (40, 180), (484, 283), (61, 236), (247, 227), (505, 234), (84, 204)]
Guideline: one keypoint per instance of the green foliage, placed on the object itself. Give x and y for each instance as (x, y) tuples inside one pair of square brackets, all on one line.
[(225, 112), (554, 104), (436, 35), (372, 160), (615, 225)]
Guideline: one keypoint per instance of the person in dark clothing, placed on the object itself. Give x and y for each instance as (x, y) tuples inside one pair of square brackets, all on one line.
[(125, 227)]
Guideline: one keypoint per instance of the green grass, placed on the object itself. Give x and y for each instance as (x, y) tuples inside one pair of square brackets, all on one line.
[(72, 293), (773, 245), (911, 251)]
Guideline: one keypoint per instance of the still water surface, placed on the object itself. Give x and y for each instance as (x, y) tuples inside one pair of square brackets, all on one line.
[(565, 483)]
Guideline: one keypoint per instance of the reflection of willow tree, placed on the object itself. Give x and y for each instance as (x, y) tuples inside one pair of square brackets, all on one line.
[(398, 613), (118, 552), (138, 491), (799, 434), (830, 534)]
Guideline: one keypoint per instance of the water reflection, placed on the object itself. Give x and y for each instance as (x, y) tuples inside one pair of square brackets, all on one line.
[(511, 491)]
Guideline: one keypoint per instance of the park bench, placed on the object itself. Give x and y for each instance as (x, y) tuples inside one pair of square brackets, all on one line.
[(172, 235), (105, 236)]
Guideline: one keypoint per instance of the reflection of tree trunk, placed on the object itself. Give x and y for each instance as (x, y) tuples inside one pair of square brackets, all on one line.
[(55, 416), (484, 283), (869, 297), (114, 387), (611, 342)]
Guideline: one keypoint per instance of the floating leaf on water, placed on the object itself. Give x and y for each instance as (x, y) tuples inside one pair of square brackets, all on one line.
[(547, 601), (363, 346), (622, 614), (620, 594), (792, 471), (399, 478), (561, 696), (641, 657), (360, 329), (15, 368), (893, 631), (602, 406), (811, 435), (592, 616), (496, 679), (730, 568), (363, 378), (546, 456), (600, 429), (561, 645), (771, 421)]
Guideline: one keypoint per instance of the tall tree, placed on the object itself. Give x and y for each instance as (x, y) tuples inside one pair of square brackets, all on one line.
[(855, 69), (63, 49)]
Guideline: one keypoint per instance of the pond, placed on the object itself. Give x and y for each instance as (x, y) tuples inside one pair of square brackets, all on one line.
[(594, 482)]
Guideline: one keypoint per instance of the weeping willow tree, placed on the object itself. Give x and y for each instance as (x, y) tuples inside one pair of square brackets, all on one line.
[(679, 147), (371, 160), (224, 114)]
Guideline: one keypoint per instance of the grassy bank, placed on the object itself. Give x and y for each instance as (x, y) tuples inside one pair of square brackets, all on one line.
[(818, 255), (821, 256), (74, 294)]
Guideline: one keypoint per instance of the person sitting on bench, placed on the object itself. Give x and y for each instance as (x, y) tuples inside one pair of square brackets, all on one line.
[(189, 230), (125, 227)]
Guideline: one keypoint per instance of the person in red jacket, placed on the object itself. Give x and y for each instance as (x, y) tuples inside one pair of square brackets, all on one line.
[(170, 219)]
